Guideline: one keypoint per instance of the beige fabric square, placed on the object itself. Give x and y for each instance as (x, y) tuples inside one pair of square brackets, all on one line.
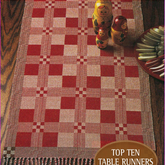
[(55, 81), (35, 39), (53, 102), (72, 12), (65, 139), (70, 50), (37, 22), (107, 103), (133, 104), (92, 50), (107, 82), (93, 116), (59, 22), (93, 70), (58, 39), (64, 115), (69, 70), (90, 12), (132, 83), (28, 103), (30, 81), (92, 140)]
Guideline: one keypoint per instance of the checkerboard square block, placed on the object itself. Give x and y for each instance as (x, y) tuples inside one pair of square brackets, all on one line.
[(127, 13), (93, 82), (49, 139), (71, 22), (107, 116), (107, 82), (72, 12), (131, 71), (138, 138), (38, 12), (59, 22), (30, 81), (92, 50), (107, 103), (31, 69), (67, 115), (93, 103), (69, 81), (107, 138), (57, 50), (59, 12), (34, 50), (93, 70), (131, 106), (65, 140), (52, 115), (69, 70), (92, 116), (53, 102), (133, 117), (108, 52), (71, 39), (28, 103), (91, 40), (55, 81), (90, 25), (23, 139), (107, 70), (26, 115), (132, 83), (55, 69), (37, 22), (67, 103), (92, 140), (70, 50), (58, 39)]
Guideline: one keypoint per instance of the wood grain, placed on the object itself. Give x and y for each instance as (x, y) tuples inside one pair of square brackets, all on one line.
[(11, 16)]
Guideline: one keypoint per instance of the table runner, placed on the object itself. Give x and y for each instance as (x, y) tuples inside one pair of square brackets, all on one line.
[(70, 98)]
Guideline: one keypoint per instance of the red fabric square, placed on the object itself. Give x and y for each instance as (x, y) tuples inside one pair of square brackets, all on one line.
[(57, 50), (138, 138), (69, 81), (128, 51), (107, 138), (126, 0), (31, 69), (109, 51), (50, 139), (107, 70), (52, 115), (38, 12), (71, 39), (91, 40), (59, 12), (90, 25), (23, 139), (26, 115), (34, 50), (107, 116), (55, 69), (131, 71), (127, 13), (93, 103), (67, 103), (133, 117), (93, 82), (71, 22)]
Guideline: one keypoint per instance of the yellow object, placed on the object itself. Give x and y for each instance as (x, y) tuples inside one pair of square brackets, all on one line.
[(102, 16)]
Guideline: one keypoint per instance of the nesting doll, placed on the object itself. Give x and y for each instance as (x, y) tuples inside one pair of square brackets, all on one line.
[(102, 16), (102, 38), (119, 30)]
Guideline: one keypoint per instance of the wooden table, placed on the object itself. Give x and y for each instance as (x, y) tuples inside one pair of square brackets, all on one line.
[(12, 11)]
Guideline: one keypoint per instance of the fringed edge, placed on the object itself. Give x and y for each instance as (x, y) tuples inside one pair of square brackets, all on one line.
[(47, 161)]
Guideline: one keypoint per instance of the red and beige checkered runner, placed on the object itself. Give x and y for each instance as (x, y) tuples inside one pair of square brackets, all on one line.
[(69, 97)]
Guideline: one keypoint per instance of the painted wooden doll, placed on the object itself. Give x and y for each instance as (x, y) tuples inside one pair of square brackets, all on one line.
[(102, 38), (102, 16), (119, 30)]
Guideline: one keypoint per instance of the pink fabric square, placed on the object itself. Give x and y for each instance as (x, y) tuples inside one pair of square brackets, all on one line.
[(93, 103), (55, 69), (67, 103), (23, 139), (26, 115), (50, 139), (52, 115)]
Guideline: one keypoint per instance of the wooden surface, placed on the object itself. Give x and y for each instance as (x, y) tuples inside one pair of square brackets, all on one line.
[(11, 15)]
